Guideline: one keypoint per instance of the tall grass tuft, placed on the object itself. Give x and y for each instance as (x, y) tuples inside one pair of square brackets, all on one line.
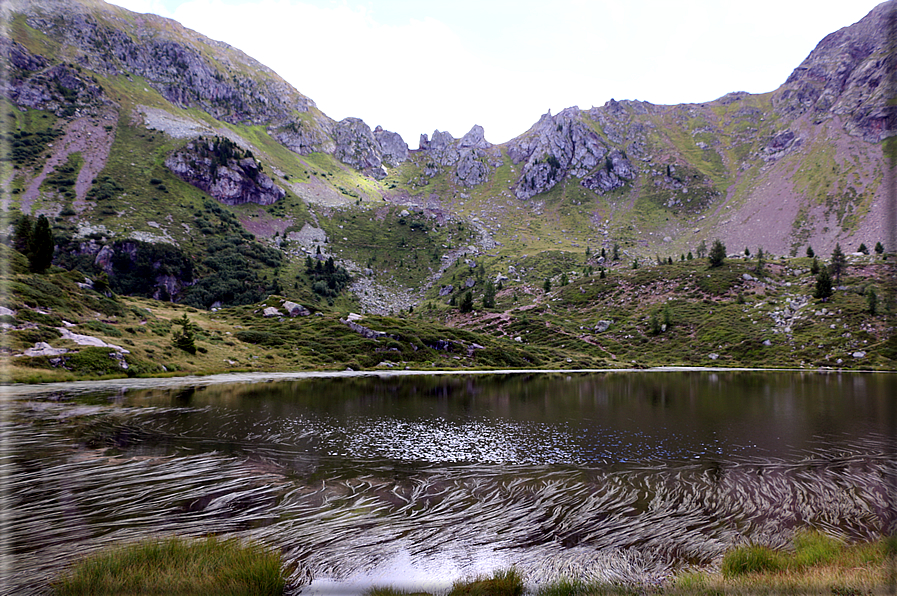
[(750, 559), (815, 548), (177, 567), (502, 583)]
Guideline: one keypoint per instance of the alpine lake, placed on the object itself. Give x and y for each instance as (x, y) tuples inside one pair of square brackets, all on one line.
[(416, 480)]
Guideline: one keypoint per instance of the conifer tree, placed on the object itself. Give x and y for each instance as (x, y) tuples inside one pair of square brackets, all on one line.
[(42, 245), (717, 253), (489, 295), (467, 302), (839, 263), (823, 285)]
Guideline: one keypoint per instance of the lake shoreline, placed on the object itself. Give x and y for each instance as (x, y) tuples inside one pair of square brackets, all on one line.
[(128, 383)]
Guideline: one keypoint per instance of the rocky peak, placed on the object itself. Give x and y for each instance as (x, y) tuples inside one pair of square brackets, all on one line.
[(558, 146), (366, 150), (393, 149), (475, 138), (847, 74), (469, 158)]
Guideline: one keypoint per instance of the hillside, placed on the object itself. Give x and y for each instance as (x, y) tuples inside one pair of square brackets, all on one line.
[(176, 168)]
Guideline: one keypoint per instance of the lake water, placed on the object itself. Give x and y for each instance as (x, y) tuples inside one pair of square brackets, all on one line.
[(416, 481)]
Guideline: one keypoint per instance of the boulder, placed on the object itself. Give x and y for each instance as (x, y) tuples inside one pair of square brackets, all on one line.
[(295, 310), (43, 349), (602, 326)]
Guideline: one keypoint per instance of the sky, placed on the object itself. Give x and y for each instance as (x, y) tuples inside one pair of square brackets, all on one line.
[(415, 66)]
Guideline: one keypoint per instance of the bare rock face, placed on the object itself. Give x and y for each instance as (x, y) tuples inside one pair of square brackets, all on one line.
[(847, 75), (302, 138), (393, 149), (174, 61), (555, 147), (469, 158), (60, 89), (220, 168), (367, 151)]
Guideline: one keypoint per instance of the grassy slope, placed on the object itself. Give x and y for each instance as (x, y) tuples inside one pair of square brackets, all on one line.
[(708, 311)]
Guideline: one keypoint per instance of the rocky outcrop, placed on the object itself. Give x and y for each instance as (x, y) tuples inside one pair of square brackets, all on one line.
[(469, 158), (393, 149), (366, 151), (189, 70), (356, 146), (555, 147), (847, 75), (33, 83), (223, 170), (303, 138)]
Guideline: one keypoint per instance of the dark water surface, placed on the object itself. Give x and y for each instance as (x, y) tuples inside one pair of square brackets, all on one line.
[(415, 481)]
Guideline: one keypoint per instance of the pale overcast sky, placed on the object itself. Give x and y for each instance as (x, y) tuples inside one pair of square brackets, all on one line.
[(413, 66)]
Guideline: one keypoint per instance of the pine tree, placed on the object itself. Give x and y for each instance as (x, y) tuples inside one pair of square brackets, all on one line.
[(616, 253), (814, 266), (40, 255), (184, 339), (810, 252), (863, 249), (872, 301), (823, 285), (467, 302), (839, 263), (489, 295), (717, 253), (701, 250), (547, 285), (761, 261), (879, 248), (21, 240)]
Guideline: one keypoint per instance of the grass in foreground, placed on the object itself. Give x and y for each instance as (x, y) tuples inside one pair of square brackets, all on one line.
[(817, 564), (506, 582), (178, 567)]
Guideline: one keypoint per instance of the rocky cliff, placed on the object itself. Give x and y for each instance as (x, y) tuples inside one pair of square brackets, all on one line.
[(226, 172)]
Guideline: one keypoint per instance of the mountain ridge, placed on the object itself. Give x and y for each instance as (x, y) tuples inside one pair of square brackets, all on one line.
[(802, 165)]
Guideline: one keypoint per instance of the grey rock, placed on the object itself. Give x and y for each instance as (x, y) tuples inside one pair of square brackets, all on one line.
[(44, 349), (357, 147), (713, 356), (602, 326), (295, 310), (104, 259), (237, 182), (393, 149), (470, 282), (446, 290), (859, 354), (362, 330), (271, 312)]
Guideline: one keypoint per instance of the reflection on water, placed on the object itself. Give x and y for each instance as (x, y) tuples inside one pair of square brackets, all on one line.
[(361, 481)]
